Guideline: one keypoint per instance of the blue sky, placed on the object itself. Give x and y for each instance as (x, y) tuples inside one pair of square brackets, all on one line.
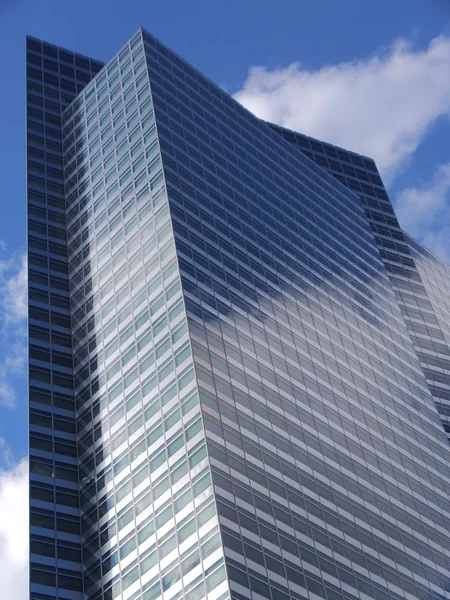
[(372, 76)]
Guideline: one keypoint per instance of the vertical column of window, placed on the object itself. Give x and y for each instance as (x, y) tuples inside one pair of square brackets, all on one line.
[(434, 354), (54, 492), (51, 414), (206, 558)]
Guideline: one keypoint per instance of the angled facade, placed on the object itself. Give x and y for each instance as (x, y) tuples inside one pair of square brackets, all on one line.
[(435, 275), (415, 274), (226, 398)]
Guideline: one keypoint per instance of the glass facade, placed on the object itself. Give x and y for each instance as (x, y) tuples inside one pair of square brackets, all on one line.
[(435, 275), (403, 258), (54, 77), (244, 412), (149, 521)]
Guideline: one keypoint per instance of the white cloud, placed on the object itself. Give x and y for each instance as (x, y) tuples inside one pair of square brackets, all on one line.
[(13, 312), (14, 532), (424, 212), (12, 367), (381, 106), (6, 457), (15, 292)]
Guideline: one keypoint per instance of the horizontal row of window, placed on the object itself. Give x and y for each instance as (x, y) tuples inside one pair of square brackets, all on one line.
[(47, 443), (40, 184), (41, 334), (68, 86), (55, 422), (47, 106), (51, 398), (53, 469), (61, 550), (52, 494), (51, 52), (49, 377), (45, 316), (305, 142), (45, 575), (49, 92)]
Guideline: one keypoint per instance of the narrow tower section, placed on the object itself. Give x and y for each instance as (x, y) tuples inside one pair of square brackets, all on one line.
[(54, 77), (149, 523)]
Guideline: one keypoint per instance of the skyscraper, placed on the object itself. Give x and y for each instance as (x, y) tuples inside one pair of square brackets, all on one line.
[(226, 397)]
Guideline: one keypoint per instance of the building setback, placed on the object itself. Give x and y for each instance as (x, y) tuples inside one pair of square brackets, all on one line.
[(407, 263), (228, 395)]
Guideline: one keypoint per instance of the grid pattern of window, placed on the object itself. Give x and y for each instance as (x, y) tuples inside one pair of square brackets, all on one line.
[(54, 77), (435, 360), (329, 462), (246, 414), (409, 282), (149, 520)]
